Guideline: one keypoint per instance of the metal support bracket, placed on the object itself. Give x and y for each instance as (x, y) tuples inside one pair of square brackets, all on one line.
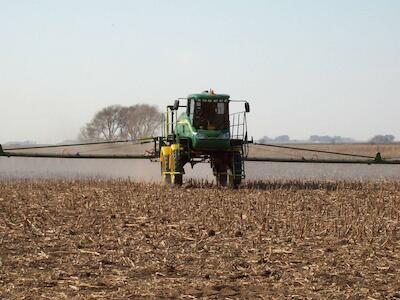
[(378, 158), (172, 173), (2, 153)]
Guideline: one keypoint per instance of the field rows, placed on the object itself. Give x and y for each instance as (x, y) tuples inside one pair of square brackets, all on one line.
[(117, 239)]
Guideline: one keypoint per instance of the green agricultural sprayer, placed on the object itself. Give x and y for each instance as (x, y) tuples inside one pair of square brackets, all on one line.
[(205, 131)]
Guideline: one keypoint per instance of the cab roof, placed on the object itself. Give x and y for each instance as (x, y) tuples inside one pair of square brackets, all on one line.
[(209, 95)]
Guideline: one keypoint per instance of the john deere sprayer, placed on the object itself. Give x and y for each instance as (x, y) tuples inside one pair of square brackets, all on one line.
[(204, 130)]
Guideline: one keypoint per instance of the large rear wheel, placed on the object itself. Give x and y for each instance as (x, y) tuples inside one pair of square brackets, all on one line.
[(219, 170), (238, 166), (177, 171), (234, 172), (233, 180), (227, 168), (177, 176), (221, 178)]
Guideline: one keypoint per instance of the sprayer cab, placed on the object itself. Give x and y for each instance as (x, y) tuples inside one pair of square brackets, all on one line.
[(208, 111), (207, 123)]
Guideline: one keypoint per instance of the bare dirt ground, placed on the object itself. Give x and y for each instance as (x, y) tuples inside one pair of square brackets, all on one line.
[(118, 239)]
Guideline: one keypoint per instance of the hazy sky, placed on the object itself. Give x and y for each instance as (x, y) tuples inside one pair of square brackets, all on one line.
[(307, 67)]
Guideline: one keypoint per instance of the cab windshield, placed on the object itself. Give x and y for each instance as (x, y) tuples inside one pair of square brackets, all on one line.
[(210, 115)]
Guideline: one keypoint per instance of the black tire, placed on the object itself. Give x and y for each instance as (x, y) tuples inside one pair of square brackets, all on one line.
[(221, 179), (219, 169), (177, 179), (227, 168), (230, 178), (167, 177), (234, 177), (233, 181), (237, 160)]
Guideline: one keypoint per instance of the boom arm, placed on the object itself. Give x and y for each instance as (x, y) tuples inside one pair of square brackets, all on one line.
[(76, 155), (14, 153), (368, 160), (325, 161), (363, 159)]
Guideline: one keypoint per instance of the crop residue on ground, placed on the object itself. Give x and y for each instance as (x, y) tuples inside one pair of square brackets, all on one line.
[(118, 239)]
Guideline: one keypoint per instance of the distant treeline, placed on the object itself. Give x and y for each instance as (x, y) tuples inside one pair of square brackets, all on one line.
[(20, 144), (326, 139)]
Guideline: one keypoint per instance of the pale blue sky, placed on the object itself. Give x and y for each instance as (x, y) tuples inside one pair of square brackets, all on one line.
[(307, 67)]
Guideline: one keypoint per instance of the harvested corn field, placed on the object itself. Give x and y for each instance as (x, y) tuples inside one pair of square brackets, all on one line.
[(118, 239)]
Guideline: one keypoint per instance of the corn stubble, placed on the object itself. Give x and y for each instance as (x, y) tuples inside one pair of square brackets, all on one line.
[(118, 239)]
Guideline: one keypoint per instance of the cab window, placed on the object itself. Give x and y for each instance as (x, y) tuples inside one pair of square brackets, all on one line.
[(211, 115)]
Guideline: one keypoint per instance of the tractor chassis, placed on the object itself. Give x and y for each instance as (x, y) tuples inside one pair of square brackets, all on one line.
[(227, 164)]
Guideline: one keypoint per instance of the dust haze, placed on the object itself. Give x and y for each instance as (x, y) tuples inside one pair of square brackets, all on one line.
[(145, 170), (149, 171)]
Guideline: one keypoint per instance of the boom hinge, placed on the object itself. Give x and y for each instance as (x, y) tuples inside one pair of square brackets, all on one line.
[(378, 158)]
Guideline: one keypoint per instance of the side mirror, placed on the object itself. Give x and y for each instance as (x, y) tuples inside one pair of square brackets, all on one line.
[(247, 107), (176, 104)]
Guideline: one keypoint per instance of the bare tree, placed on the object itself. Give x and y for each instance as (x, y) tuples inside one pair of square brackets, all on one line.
[(106, 125), (88, 133), (140, 120), (382, 139), (118, 122)]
